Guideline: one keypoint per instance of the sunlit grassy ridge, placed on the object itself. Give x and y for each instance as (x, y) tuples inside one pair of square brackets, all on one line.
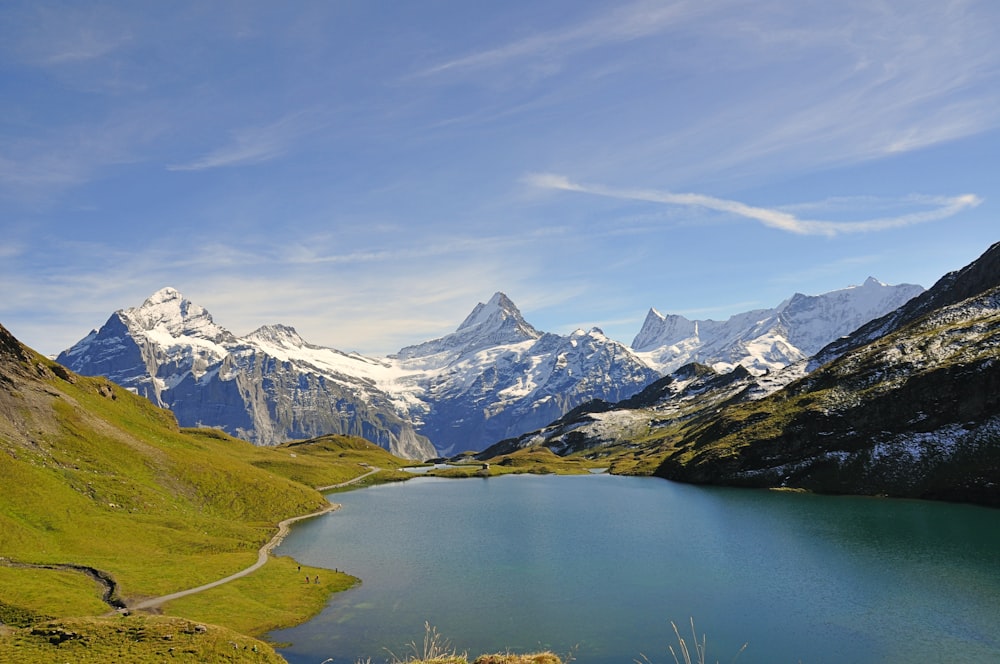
[(113, 483), (94, 475)]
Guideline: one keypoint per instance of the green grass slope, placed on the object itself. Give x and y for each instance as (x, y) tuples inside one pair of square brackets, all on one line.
[(93, 475)]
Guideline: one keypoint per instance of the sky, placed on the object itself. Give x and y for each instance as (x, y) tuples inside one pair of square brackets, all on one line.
[(368, 171)]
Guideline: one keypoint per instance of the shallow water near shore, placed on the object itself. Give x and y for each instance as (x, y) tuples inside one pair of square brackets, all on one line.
[(599, 565)]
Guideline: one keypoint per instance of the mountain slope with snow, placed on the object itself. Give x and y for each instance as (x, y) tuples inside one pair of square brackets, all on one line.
[(268, 387), (908, 405), (497, 376), (766, 340)]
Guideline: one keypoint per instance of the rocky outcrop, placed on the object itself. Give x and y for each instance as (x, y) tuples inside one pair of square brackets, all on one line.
[(908, 406)]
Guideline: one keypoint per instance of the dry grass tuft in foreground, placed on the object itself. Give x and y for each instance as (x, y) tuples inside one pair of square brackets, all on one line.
[(436, 649), (683, 654), (507, 658)]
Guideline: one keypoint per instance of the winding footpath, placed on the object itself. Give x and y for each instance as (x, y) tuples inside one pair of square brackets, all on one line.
[(262, 555)]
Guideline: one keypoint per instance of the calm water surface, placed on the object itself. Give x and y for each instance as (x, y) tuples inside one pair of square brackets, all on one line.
[(602, 564)]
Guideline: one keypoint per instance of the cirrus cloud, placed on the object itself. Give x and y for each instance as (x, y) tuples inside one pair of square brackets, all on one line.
[(941, 207)]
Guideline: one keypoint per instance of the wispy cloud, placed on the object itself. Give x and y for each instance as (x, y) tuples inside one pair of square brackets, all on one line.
[(34, 168), (52, 37), (942, 207), (776, 88), (634, 21), (256, 145), (429, 248)]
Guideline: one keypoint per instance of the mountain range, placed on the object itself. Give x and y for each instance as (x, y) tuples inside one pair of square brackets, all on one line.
[(766, 339), (494, 378), (906, 405)]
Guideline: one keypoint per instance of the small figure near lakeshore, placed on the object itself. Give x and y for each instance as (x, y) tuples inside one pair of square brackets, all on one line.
[(316, 580)]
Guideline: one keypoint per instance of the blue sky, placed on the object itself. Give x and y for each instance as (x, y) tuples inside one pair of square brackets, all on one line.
[(368, 171)]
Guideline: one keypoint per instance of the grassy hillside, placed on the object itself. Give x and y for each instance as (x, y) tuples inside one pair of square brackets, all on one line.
[(93, 475)]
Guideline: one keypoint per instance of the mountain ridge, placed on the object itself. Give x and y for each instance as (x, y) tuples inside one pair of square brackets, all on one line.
[(494, 377), (766, 340), (907, 405), (267, 387)]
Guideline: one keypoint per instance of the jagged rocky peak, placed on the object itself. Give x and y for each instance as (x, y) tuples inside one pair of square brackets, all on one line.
[(498, 318), (495, 323), (768, 339), (659, 330)]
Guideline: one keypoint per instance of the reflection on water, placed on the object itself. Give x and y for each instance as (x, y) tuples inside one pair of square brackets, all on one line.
[(605, 563)]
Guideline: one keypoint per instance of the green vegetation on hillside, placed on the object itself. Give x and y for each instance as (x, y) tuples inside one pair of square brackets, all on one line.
[(97, 477), (136, 639), (534, 460), (274, 597)]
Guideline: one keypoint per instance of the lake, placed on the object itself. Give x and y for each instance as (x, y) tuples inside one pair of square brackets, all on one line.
[(599, 565)]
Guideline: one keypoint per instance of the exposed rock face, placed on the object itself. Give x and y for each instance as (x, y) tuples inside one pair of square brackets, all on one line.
[(766, 339), (497, 376), (269, 387), (908, 406), (11, 350), (690, 392), (494, 378)]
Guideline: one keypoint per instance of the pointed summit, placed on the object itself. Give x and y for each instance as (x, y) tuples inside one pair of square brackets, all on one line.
[(495, 323), (497, 314), (659, 330), (169, 314)]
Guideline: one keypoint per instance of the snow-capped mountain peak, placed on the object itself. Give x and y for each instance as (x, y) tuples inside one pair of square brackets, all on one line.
[(767, 339), (498, 316), (268, 387), (659, 330), (278, 335), (168, 314), (494, 323)]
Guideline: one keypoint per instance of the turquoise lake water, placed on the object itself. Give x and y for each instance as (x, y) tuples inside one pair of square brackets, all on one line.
[(599, 565)]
